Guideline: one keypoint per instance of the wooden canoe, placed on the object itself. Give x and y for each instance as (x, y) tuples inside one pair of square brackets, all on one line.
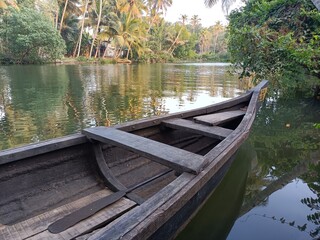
[(139, 180)]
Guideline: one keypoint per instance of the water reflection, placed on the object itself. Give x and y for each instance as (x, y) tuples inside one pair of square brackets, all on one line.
[(283, 187), (216, 218), (43, 102)]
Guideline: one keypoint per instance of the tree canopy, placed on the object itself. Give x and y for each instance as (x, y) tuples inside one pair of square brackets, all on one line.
[(27, 36), (276, 39)]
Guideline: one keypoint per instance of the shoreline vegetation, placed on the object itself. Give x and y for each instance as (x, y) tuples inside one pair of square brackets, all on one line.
[(40, 31), (81, 59)]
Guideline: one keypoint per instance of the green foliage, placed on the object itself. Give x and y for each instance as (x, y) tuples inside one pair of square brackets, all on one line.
[(151, 57), (107, 61), (219, 57), (27, 36), (276, 39)]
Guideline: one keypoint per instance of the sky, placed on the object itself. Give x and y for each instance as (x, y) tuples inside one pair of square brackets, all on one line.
[(208, 16)]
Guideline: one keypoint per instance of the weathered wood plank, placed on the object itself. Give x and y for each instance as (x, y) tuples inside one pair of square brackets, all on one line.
[(173, 157), (34, 149), (111, 181), (36, 227), (209, 131), (218, 118), (127, 222), (87, 211)]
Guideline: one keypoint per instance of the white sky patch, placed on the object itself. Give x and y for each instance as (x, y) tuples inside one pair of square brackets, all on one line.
[(208, 16)]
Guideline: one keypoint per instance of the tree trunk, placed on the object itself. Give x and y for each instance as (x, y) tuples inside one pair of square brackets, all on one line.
[(174, 42), (82, 25), (97, 28), (63, 13), (57, 16)]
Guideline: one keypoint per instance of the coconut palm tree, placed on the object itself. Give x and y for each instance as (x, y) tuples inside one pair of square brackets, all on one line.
[(195, 21), (69, 8), (97, 9), (78, 46), (177, 35), (70, 31), (204, 40), (134, 8), (225, 3), (184, 19), (63, 13), (129, 34), (218, 28), (156, 8), (161, 5)]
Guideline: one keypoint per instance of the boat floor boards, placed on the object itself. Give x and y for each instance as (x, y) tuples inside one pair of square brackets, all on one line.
[(219, 118), (37, 227)]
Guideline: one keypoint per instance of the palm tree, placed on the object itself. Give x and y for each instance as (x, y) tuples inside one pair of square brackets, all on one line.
[(218, 28), (161, 5), (78, 46), (156, 8), (184, 19), (225, 4), (69, 8), (63, 14), (129, 34), (70, 31), (175, 38), (134, 8), (99, 13), (204, 41), (195, 21)]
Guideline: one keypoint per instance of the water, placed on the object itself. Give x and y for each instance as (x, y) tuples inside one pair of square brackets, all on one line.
[(43, 102), (272, 189)]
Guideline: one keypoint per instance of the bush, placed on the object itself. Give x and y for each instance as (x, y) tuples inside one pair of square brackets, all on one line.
[(27, 36)]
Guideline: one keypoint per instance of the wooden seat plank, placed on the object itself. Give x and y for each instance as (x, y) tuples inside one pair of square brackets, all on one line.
[(175, 158), (36, 227), (209, 131), (219, 118)]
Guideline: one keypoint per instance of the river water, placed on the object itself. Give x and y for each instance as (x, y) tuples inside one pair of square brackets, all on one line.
[(272, 190)]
